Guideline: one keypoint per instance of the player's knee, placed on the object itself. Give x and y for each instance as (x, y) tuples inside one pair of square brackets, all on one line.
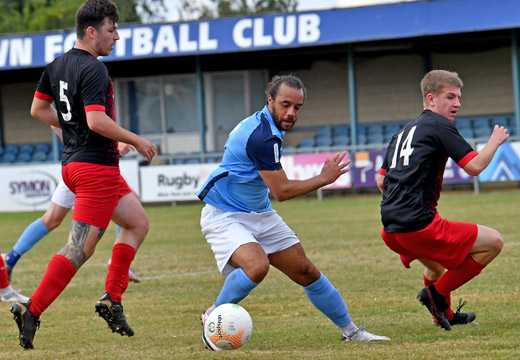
[(434, 273), (496, 243), (257, 271), (308, 270), (493, 242), (139, 224), (51, 224), (144, 226)]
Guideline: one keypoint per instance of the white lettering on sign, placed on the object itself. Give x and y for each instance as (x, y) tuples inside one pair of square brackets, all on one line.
[(185, 44), (172, 38), (53, 46), (239, 36), (205, 43), (308, 28), (69, 42), (165, 40), (142, 43), (259, 38), (18, 50), (4, 47), (120, 48), (248, 33), (56, 45), (284, 29)]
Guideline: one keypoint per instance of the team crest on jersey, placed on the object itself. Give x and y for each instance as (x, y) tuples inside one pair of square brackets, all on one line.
[(276, 153)]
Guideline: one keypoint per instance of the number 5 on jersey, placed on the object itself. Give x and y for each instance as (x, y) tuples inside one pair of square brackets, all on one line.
[(406, 149), (63, 98)]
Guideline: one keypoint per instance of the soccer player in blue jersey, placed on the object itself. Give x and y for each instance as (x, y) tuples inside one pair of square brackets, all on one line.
[(245, 233), (411, 181)]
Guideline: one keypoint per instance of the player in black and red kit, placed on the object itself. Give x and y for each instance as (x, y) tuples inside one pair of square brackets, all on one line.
[(411, 180), (79, 84)]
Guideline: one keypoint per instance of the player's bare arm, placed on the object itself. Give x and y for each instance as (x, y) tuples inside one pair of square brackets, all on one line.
[(124, 148), (476, 165), (57, 131), (380, 179), (282, 188), (99, 122), (43, 111)]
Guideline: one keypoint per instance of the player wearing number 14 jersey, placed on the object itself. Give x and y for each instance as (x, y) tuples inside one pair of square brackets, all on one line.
[(411, 180)]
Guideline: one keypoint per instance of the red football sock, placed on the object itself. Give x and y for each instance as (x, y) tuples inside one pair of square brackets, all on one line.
[(58, 275), (117, 278), (4, 279), (449, 312), (453, 279), (427, 282)]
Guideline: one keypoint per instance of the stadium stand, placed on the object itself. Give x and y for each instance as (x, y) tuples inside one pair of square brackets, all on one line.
[(330, 136), (24, 153), (476, 127), (213, 157), (23, 157), (289, 149), (192, 160), (27, 148), (12, 149), (307, 142), (39, 156), (467, 133), (324, 141), (8, 158), (463, 123), (341, 141)]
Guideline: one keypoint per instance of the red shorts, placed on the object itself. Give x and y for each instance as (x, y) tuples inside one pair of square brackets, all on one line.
[(98, 189), (445, 242)]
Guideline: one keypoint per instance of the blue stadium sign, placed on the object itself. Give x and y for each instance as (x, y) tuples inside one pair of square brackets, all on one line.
[(173, 39), (401, 20)]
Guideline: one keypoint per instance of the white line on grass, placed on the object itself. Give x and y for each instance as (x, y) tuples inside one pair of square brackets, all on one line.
[(169, 276)]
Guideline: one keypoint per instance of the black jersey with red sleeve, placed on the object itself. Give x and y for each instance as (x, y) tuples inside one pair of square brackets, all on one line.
[(414, 167), (78, 82)]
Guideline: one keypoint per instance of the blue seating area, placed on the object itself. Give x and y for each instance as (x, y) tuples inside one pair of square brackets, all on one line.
[(340, 136), (26, 153), (326, 137), (479, 127), (196, 157), (476, 127)]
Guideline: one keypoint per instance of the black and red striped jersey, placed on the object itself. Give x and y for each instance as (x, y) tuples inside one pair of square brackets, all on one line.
[(414, 167), (78, 82)]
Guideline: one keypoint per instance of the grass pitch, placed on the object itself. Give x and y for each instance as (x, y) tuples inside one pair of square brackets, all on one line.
[(340, 235)]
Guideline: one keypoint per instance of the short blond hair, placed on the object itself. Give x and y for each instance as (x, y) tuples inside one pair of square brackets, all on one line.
[(434, 81)]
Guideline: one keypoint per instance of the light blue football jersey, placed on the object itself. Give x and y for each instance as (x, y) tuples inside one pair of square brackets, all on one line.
[(236, 186)]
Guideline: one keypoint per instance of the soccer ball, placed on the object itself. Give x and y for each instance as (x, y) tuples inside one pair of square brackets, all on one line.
[(229, 326)]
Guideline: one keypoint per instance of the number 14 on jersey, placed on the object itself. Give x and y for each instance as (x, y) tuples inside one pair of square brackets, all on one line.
[(406, 149)]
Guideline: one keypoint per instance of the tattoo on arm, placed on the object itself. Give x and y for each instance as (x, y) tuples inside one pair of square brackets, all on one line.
[(75, 248)]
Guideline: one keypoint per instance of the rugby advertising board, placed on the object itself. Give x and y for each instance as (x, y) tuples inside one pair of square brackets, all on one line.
[(182, 182)]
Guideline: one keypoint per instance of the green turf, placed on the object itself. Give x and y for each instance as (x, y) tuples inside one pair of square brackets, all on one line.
[(340, 235)]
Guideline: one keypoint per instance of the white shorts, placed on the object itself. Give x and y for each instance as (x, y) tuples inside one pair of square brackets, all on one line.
[(226, 231), (63, 197)]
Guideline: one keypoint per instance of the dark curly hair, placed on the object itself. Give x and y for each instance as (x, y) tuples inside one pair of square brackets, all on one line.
[(289, 80), (93, 13)]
